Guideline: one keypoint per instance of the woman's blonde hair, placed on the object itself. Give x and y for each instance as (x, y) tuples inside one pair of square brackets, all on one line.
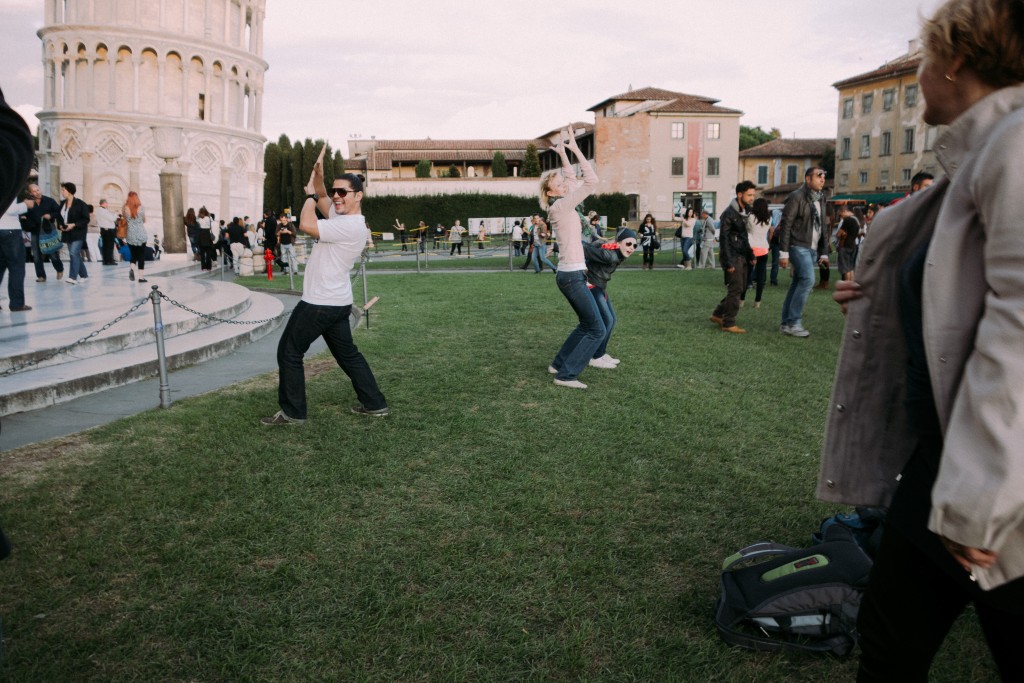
[(544, 187), (987, 34)]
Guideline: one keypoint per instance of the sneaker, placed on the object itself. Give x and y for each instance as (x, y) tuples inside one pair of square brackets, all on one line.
[(735, 329), (71, 281), (142, 279), (716, 320), (279, 418), (796, 331), (552, 369), (681, 266), (360, 410), (571, 383), (784, 328), (610, 359), (40, 279), (601, 363), (131, 274), (757, 304)]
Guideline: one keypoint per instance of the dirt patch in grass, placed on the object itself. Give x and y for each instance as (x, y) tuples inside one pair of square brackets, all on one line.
[(27, 462)]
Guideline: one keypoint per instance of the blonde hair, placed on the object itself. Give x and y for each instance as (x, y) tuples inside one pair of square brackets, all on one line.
[(987, 34), (544, 186)]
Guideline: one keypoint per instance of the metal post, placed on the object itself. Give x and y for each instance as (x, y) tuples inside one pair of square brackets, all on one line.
[(362, 271), (510, 255), (417, 259), (161, 356), (291, 267)]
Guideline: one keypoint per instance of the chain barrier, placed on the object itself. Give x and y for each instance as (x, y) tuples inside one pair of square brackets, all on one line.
[(65, 349), (214, 318)]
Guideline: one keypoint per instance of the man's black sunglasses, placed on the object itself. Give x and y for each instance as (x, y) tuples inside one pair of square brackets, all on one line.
[(341, 191)]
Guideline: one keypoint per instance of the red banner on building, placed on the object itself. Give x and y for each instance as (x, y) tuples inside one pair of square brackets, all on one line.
[(694, 156)]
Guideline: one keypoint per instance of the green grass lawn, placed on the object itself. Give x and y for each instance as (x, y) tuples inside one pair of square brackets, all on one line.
[(494, 528)]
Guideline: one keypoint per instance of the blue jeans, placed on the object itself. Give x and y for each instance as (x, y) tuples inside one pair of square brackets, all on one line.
[(802, 259), (12, 263), (687, 242), (38, 258), (307, 322), (540, 255), (77, 264), (604, 307), (583, 341)]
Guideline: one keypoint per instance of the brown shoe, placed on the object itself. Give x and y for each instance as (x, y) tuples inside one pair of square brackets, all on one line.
[(734, 329), (60, 274), (15, 309), (716, 320)]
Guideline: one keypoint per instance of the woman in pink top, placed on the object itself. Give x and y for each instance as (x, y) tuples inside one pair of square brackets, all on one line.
[(759, 221), (560, 194)]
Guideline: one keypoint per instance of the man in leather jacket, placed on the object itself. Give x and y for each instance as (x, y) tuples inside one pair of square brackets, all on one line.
[(803, 234), (734, 255)]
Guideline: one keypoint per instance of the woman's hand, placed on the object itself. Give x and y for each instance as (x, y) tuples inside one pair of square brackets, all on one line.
[(968, 557), (570, 135), (846, 291)]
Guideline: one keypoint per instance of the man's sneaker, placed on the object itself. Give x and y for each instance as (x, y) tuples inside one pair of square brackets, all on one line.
[(71, 281), (608, 358), (571, 383), (360, 410), (795, 331), (601, 363), (735, 329), (784, 328), (716, 320), (279, 418), (552, 369)]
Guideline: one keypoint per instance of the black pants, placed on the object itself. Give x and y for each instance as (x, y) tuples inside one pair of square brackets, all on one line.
[(755, 274), (735, 283), (138, 255), (456, 245), (910, 605), (107, 237), (648, 259)]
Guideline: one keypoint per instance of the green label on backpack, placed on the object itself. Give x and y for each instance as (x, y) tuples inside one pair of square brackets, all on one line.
[(802, 564)]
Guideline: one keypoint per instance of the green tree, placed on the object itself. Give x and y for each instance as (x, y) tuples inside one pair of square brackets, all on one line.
[(423, 169), (453, 172), (339, 164), (272, 180), (284, 189), (499, 167), (299, 177), (752, 137), (329, 171), (828, 162), (531, 162)]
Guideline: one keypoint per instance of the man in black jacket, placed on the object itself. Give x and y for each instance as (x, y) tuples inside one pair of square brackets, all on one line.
[(44, 213), (735, 253), (803, 233)]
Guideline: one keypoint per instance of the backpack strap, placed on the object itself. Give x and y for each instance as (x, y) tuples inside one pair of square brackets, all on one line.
[(762, 549)]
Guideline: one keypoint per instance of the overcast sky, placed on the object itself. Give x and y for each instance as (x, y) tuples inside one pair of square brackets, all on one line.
[(471, 69)]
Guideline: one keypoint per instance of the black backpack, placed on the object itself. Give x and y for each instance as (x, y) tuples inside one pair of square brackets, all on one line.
[(775, 597)]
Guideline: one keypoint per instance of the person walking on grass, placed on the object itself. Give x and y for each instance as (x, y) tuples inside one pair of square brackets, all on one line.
[(803, 234), (560, 194), (734, 256), (326, 303)]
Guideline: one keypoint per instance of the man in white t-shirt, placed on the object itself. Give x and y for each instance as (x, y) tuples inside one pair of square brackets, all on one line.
[(326, 300)]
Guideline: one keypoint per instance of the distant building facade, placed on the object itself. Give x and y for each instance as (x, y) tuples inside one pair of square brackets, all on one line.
[(881, 140), (782, 162), (122, 77)]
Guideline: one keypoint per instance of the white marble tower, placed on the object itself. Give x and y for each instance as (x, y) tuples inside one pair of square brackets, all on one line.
[(114, 71)]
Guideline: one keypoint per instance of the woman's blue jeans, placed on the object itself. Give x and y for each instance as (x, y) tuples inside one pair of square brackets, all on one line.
[(583, 341), (604, 307), (540, 255), (77, 264)]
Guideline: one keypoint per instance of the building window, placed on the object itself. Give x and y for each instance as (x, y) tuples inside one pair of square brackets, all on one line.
[(883, 176), (762, 174), (886, 149), (888, 97), (202, 107), (910, 96), (866, 100), (863, 177), (845, 149), (791, 173), (908, 140), (677, 131), (848, 108), (930, 133), (714, 131), (844, 179), (678, 166), (906, 176), (865, 146), (713, 165)]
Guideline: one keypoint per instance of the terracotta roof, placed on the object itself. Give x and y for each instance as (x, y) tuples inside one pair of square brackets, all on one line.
[(783, 147), (674, 102), (542, 141), (428, 144), (905, 64)]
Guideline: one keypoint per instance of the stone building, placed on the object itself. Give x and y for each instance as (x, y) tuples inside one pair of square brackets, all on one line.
[(667, 150), (134, 87), (781, 163), (881, 140)]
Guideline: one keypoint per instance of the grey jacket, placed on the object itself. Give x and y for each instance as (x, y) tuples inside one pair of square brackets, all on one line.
[(797, 224), (973, 315)]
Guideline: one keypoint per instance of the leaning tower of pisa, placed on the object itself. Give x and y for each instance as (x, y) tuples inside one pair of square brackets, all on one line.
[(132, 87)]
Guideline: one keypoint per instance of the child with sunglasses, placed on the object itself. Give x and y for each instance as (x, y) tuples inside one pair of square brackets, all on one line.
[(602, 260)]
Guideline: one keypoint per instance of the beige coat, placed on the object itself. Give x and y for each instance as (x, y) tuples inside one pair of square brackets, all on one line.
[(973, 314)]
